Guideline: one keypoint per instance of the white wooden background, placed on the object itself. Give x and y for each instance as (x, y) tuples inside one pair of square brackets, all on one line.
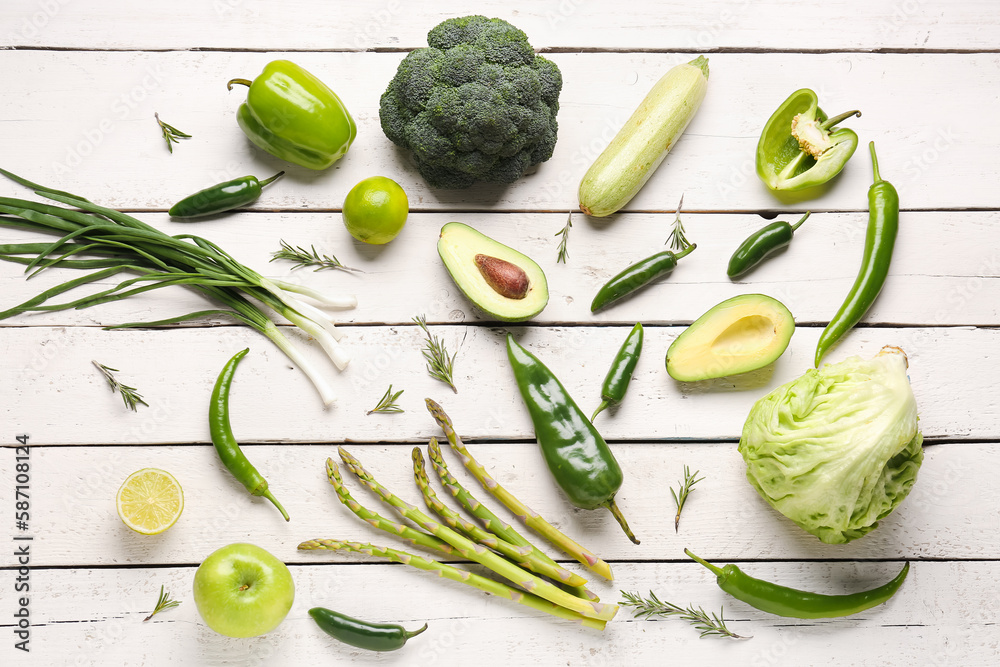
[(81, 81)]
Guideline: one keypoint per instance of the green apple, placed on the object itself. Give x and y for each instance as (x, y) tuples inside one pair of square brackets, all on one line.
[(243, 591)]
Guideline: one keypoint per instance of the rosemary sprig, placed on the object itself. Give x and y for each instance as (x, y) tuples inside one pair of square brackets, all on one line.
[(163, 603), (680, 497), (710, 625), (131, 397), (677, 239), (311, 257), (440, 366), (170, 133), (387, 403), (564, 232)]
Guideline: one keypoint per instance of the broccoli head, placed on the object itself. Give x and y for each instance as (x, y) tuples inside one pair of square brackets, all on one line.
[(476, 105)]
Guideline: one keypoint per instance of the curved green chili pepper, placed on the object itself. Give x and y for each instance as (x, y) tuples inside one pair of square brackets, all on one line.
[(883, 224), (798, 150), (370, 636), (575, 452), (638, 275), (620, 374), (793, 603), (760, 244), (224, 440), (222, 197)]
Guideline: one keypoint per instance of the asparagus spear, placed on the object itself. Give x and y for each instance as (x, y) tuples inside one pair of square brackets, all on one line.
[(480, 554), (520, 555), (456, 574), (527, 515), (490, 521)]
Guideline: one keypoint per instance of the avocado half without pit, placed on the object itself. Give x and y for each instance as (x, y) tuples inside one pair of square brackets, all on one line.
[(739, 335), (503, 283)]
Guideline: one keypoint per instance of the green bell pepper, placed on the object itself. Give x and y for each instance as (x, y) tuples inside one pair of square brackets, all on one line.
[(798, 150), (294, 116)]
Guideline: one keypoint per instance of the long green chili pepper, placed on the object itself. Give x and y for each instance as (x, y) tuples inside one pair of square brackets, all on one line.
[(883, 224), (620, 374), (224, 440), (760, 244), (638, 275), (370, 636), (793, 603), (222, 197), (577, 455)]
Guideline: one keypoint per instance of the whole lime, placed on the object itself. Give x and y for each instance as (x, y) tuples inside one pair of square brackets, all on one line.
[(375, 210)]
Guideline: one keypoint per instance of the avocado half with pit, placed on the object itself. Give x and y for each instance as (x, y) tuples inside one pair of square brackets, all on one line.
[(500, 281), (739, 335)]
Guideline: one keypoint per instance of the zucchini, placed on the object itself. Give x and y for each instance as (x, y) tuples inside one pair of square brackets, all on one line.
[(640, 146)]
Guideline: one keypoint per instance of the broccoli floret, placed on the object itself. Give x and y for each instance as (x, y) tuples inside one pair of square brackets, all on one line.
[(476, 105)]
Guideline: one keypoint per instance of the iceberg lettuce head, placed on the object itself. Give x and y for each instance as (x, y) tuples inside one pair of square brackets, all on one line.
[(838, 449)]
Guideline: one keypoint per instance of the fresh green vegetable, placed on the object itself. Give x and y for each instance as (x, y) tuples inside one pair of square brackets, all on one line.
[(760, 244), (440, 365), (114, 242), (643, 142), (162, 603), (453, 573), (131, 397), (678, 240), (476, 105), (224, 440), (638, 275), (798, 148), (739, 335), (294, 116), (362, 634), (577, 455), (387, 404), (620, 374), (793, 603), (528, 516), (837, 449), (710, 626), (222, 197), (681, 495), (564, 240), (880, 238), (306, 258), (171, 134)]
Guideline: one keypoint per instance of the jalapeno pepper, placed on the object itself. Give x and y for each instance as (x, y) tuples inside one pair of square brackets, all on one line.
[(638, 275), (575, 452), (620, 374), (880, 238), (798, 150), (793, 603), (370, 636), (224, 440), (222, 197), (760, 244), (294, 116)]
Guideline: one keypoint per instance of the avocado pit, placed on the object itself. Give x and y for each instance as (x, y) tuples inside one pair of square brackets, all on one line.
[(506, 279)]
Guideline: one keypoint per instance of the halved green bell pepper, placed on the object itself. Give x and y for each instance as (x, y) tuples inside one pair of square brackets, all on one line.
[(797, 149), (294, 116)]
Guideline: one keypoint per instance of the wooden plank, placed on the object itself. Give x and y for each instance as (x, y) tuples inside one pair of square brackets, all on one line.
[(57, 396), (934, 159), (941, 615), (933, 281), (299, 24), (74, 522)]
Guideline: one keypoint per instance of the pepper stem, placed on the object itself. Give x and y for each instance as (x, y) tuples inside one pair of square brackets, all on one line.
[(242, 82), (686, 251), (871, 147), (267, 494), (602, 406), (617, 513), (799, 223), (830, 122), (716, 570), (266, 181), (415, 632)]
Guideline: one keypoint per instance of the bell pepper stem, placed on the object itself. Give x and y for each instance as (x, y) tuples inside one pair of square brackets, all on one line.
[(267, 494), (617, 513), (799, 223), (686, 251), (715, 570), (871, 147), (242, 82), (830, 122), (268, 181), (600, 408)]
